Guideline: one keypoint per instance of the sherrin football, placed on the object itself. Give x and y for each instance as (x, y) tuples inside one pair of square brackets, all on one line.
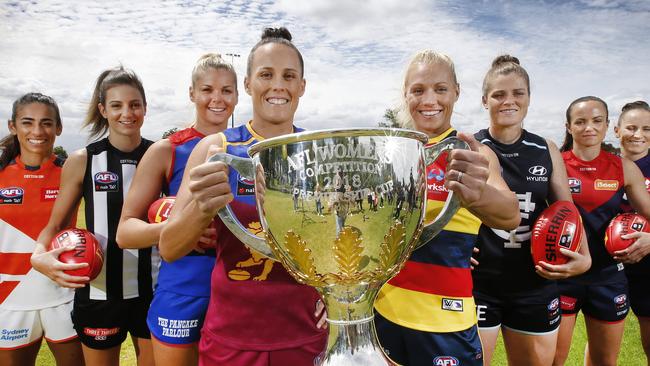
[(159, 210), (86, 250), (558, 226), (624, 224)]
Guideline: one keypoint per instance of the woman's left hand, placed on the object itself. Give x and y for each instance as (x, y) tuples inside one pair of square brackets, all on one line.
[(467, 171), (577, 264), (635, 252)]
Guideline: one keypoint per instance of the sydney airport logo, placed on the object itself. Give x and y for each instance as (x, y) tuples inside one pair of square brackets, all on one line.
[(436, 180)]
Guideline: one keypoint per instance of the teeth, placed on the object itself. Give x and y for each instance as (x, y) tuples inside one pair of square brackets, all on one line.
[(429, 113), (277, 101), (127, 122), (38, 142), (217, 110), (508, 110)]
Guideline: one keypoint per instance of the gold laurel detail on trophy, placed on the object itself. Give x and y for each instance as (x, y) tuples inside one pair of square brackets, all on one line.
[(296, 248), (347, 253), (392, 246)]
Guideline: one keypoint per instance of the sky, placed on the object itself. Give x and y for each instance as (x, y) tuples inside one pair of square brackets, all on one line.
[(354, 51)]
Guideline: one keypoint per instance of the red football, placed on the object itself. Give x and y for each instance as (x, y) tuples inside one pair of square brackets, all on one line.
[(160, 209), (623, 224), (86, 250), (558, 226)]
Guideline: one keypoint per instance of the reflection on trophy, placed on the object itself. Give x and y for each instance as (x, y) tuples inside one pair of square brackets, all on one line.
[(347, 252)]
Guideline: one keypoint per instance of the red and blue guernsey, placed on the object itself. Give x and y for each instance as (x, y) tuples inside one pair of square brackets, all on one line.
[(433, 292), (255, 304), (597, 188), (643, 267), (189, 275)]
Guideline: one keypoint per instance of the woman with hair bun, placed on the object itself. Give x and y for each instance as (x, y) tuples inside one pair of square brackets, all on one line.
[(514, 295), (115, 303), (600, 181), (633, 131), (31, 306), (426, 314), (183, 289), (258, 314)]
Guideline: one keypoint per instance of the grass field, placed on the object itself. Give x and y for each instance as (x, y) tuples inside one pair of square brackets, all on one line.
[(631, 351)]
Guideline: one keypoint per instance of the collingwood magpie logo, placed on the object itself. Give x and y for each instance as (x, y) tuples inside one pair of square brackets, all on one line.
[(538, 174)]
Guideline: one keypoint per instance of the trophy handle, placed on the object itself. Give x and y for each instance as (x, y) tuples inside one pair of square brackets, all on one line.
[(452, 204), (246, 169)]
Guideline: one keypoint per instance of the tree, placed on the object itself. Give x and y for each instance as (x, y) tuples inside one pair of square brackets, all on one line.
[(169, 132), (610, 148), (390, 119), (60, 152)]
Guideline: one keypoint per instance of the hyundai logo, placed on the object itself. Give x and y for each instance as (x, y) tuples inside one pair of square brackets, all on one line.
[(537, 170)]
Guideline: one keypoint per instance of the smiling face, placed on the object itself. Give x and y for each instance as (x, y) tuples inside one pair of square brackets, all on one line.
[(36, 128), (507, 100), (124, 109), (588, 123), (275, 83), (634, 132), (215, 95), (431, 92)]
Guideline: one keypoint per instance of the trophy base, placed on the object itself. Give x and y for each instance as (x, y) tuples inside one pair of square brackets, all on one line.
[(353, 343)]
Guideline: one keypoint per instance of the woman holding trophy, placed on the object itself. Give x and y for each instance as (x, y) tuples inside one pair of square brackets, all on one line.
[(419, 320), (258, 314)]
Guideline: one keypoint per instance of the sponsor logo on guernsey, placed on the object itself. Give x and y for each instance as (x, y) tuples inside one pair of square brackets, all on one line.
[(575, 185), (11, 195), (245, 187), (605, 185), (620, 301), (33, 176), (435, 180), (49, 194), (539, 174), (452, 304), (101, 334), (587, 169), (106, 182), (445, 361)]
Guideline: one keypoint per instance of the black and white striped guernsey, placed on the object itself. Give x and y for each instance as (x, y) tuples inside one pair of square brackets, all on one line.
[(127, 273), (526, 167)]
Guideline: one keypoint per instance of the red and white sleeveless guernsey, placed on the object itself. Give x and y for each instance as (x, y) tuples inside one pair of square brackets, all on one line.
[(27, 195)]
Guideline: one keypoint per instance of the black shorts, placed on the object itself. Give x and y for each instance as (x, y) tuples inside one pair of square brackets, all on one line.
[(103, 324), (413, 347), (606, 302), (534, 312), (639, 295)]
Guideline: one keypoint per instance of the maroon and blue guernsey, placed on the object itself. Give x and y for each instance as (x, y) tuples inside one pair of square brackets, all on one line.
[(255, 304), (643, 267), (597, 187)]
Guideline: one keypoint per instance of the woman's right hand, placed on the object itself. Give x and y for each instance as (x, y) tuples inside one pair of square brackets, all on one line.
[(48, 264), (209, 185)]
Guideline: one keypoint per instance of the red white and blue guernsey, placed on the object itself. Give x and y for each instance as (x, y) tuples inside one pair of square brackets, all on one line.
[(433, 292), (181, 297), (597, 188), (255, 304), (27, 196)]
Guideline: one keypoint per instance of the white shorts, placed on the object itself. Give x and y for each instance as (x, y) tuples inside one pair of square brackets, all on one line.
[(19, 329)]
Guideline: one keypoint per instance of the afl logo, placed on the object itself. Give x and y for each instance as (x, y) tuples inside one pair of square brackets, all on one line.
[(445, 361), (106, 177), (554, 304), (537, 170), (575, 185), (11, 192), (246, 181), (437, 174)]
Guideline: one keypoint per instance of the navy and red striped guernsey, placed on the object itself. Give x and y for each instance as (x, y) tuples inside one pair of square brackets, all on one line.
[(433, 292), (597, 187), (127, 273)]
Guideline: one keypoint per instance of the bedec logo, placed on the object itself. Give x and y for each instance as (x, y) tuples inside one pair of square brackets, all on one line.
[(437, 174), (11, 195), (445, 361), (537, 170)]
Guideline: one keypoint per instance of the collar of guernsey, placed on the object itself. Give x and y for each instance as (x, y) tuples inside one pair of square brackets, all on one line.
[(433, 292)]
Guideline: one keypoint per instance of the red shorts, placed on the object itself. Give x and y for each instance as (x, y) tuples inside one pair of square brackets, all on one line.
[(213, 353)]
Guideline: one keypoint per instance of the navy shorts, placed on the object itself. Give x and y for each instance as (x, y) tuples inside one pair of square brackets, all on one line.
[(533, 312), (606, 302), (103, 324), (639, 296), (413, 347), (176, 319)]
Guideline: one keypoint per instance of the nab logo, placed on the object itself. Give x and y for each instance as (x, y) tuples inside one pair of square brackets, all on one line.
[(106, 182), (11, 195), (245, 187), (537, 170), (575, 185), (437, 174), (445, 361)]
